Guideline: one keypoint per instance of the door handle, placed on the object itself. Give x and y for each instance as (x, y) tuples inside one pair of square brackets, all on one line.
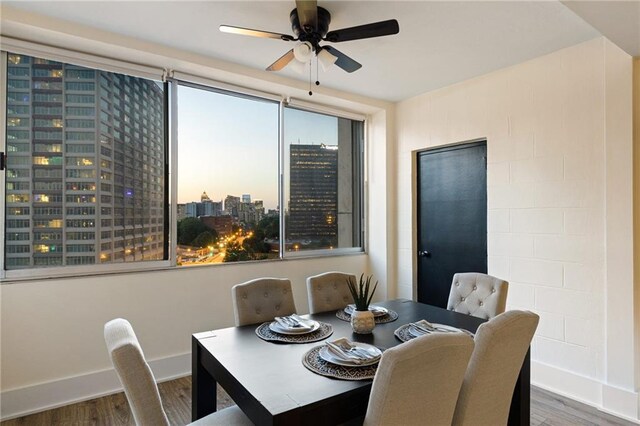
[(424, 253)]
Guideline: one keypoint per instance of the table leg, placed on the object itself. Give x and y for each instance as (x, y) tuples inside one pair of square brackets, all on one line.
[(520, 411), (203, 385)]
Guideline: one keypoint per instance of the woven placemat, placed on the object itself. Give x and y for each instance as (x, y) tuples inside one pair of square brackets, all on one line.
[(313, 362), (403, 334), (264, 332), (388, 317)]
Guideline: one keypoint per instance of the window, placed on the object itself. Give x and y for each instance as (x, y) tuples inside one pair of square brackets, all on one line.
[(39, 109), (84, 124), (87, 173), (17, 84), (80, 74), (63, 208), (81, 111), (242, 198), (15, 110), (231, 198), (81, 99)]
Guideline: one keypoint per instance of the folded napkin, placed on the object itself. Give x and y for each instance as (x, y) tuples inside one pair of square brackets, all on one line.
[(373, 308), (293, 322), (425, 327), (346, 351)]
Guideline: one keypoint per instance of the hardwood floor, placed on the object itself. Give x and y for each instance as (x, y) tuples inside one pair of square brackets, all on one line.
[(547, 409)]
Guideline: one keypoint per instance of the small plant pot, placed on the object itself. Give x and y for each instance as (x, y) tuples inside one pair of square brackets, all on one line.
[(362, 322)]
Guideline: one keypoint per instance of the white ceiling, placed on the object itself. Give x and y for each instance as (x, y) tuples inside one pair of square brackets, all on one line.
[(619, 21), (440, 43)]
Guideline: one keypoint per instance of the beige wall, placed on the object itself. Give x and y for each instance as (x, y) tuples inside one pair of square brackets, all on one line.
[(53, 329), (559, 206), (636, 206)]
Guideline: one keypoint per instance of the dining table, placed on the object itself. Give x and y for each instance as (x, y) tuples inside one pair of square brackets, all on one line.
[(269, 382)]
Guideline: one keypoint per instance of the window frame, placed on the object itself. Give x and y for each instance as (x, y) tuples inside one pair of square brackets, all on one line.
[(325, 110), (171, 80), (187, 80), (7, 275)]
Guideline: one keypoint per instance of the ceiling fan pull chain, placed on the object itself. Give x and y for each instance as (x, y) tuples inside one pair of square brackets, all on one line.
[(310, 92), (317, 72)]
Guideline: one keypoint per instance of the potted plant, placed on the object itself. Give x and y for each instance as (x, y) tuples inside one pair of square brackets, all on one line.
[(362, 321)]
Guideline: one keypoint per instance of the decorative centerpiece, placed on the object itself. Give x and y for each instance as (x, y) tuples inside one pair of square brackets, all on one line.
[(362, 321)]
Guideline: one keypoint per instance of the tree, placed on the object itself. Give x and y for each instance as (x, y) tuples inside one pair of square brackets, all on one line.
[(205, 239), (190, 228), (235, 253), (269, 226)]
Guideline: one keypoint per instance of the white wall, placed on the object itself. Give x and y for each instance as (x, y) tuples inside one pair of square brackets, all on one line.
[(559, 179), (52, 330), (51, 346)]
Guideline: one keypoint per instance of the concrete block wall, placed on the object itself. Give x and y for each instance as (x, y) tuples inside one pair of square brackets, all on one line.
[(549, 176)]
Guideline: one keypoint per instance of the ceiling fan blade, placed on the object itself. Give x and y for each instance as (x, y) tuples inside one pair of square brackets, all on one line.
[(307, 14), (376, 29), (282, 62), (254, 33), (343, 61)]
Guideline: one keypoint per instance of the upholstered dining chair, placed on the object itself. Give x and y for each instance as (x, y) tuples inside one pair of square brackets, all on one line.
[(478, 295), (328, 291), (262, 300), (501, 345), (140, 385), (418, 382)]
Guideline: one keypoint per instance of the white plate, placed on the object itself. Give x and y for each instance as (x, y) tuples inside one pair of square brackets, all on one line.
[(276, 328), (417, 333), (326, 355), (378, 311)]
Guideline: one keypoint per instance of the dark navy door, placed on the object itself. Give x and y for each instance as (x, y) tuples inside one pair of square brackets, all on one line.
[(452, 217)]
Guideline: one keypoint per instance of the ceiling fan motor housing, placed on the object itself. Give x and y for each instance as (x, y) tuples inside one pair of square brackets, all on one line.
[(307, 32)]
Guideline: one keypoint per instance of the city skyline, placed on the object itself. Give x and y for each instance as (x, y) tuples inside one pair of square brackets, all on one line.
[(214, 125)]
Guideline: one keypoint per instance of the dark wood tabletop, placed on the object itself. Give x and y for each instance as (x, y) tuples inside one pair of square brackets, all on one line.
[(271, 385)]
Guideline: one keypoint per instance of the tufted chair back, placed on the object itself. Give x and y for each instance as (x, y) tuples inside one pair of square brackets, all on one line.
[(501, 345), (479, 295), (328, 291), (418, 382), (262, 300)]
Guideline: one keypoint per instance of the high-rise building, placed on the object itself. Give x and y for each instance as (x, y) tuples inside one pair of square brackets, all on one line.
[(313, 198), (85, 165), (231, 204), (191, 209), (205, 208), (246, 198), (211, 208), (181, 211)]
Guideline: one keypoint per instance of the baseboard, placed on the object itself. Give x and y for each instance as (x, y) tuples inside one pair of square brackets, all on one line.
[(611, 400), (45, 396)]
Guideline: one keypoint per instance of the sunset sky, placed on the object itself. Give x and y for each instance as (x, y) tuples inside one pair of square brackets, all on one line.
[(228, 145)]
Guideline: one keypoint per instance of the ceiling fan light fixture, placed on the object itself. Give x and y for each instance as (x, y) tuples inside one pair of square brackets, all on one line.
[(326, 59), (303, 51), (298, 67)]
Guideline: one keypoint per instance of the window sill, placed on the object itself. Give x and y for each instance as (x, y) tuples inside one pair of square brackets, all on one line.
[(167, 268)]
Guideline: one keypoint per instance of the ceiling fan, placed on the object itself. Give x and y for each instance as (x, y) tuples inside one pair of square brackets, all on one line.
[(310, 24)]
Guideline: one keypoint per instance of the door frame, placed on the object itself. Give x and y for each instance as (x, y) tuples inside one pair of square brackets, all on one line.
[(415, 212)]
